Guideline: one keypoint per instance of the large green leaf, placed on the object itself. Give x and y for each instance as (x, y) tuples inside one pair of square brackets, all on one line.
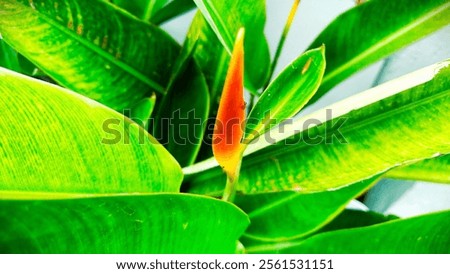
[(156, 223), (117, 60), (55, 141), (289, 215), (430, 170), (393, 124), (423, 234), (372, 31), (287, 94)]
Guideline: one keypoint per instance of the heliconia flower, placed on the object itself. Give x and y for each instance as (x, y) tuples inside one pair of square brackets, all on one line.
[(229, 126)]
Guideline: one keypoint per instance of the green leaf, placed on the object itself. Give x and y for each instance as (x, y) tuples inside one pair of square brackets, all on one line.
[(101, 59), (225, 18), (171, 10), (427, 234), (156, 223), (209, 53), (56, 141), (290, 215), (156, 11), (350, 218), (374, 30), (8, 57), (430, 170), (28, 68), (139, 8), (181, 121), (351, 147), (287, 94), (142, 112)]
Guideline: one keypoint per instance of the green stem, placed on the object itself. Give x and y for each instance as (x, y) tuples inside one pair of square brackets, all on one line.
[(286, 29), (230, 189), (232, 182)]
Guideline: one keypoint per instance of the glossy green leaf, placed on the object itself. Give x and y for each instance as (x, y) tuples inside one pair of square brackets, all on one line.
[(57, 141), (289, 215), (351, 143), (8, 57), (351, 218), (424, 234), (348, 218), (155, 11), (287, 94), (171, 10), (213, 60), (372, 31), (28, 68), (139, 8), (142, 112), (181, 121), (429, 170), (101, 59), (156, 223), (225, 18)]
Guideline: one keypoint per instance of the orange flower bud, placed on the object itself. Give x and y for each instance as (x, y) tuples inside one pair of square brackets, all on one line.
[(229, 126)]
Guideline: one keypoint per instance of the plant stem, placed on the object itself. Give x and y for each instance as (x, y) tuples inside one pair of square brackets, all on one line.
[(286, 29), (232, 182), (230, 189)]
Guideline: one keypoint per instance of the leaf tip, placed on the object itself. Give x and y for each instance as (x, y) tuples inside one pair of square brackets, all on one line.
[(322, 49)]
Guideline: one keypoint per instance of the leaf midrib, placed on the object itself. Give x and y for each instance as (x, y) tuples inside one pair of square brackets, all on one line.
[(261, 127), (355, 126), (90, 46), (211, 9)]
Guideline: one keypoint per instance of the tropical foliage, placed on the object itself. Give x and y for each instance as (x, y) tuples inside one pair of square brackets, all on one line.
[(108, 130)]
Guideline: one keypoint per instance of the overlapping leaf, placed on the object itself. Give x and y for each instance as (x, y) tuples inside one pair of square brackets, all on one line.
[(182, 115), (156, 223), (426, 234), (117, 60), (8, 57), (372, 31), (430, 170), (171, 9), (225, 18), (289, 215), (353, 146), (156, 11), (54, 141)]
